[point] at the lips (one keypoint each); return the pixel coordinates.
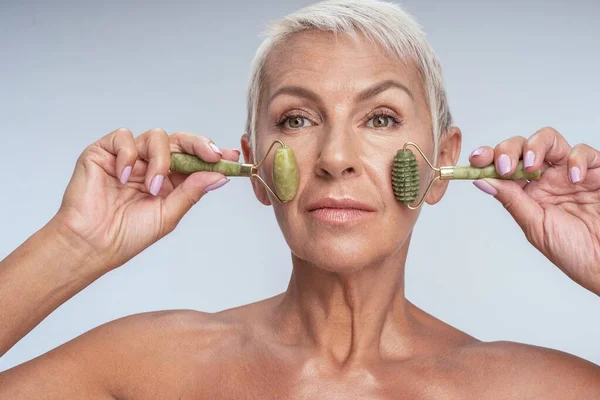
(339, 204)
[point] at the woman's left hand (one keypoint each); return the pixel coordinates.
(559, 213)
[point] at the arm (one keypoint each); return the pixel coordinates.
(114, 208)
(45, 271)
(76, 370)
(121, 199)
(534, 372)
(144, 356)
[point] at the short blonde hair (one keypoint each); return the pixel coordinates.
(382, 23)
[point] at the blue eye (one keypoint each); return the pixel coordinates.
(380, 121)
(296, 122)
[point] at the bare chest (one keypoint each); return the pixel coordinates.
(265, 381)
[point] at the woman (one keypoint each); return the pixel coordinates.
(345, 84)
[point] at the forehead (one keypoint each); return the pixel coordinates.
(335, 63)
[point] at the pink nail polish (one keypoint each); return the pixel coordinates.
(504, 164)
(477, 152)
(485, 187)
(575, 174)
(216, 185)
(529, 159)
(156, 184)
(215, 148)
(125, 175)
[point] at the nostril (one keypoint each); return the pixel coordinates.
(338, 162)
(347, 171)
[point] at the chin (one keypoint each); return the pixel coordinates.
(342, 256)
(344, 246)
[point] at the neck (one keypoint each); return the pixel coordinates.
(349, 316)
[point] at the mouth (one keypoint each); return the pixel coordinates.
(340, 211)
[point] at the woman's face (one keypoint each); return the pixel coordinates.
(345, 109)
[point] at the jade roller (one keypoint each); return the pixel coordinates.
(285, 169)
(405, 175)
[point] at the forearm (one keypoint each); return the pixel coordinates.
(44, 272)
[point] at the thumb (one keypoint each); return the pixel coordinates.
(188, 193)
(525, 211)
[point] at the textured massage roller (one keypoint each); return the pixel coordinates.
(405, 175)
(285, 169)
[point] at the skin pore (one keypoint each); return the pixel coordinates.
(343, 329)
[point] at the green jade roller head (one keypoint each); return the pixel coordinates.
(285, 169)
(405, 175)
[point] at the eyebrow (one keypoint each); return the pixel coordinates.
(362, 96)
(380, 88)
(296, 91)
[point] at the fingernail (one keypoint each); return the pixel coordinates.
(485, 187)
(477, 152)
(125, 174)
(503, 164)
(215, 148)
(529, 159)
(216, 185)
(575, 174)
(156, 184)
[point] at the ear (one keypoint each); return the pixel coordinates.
(259, 190)
(448, 152)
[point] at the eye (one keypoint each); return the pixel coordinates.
(296, 122)
(380, 121)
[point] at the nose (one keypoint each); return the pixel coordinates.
(339, 155)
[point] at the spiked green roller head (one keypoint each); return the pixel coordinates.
(405, 176)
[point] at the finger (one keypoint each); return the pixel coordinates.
(582, 158)
(482, 156)
(138, 174)
(180, 141)
(121, 144)
(546, 145)
(231, 154)
(177, 178)
(197, 145)
(188, 193)
(153, 146)
(522, 183)
(507, 155)
(525, 211)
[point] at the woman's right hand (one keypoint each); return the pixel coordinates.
(122, 197)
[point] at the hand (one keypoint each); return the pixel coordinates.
(122, 197)
(560, 213)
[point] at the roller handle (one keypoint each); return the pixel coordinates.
(469, 172)
(188, 164)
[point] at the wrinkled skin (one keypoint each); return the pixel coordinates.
(343, 329)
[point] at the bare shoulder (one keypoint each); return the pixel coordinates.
(173, 331)
(162, 327)
(537, 371)
(130, 357)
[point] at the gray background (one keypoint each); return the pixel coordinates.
(73, 71)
